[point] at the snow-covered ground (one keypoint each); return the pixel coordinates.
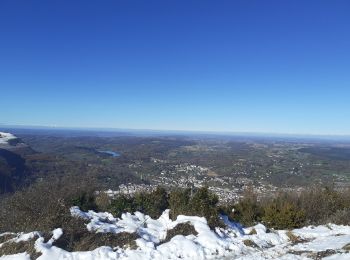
(232, 242)
(5, 137)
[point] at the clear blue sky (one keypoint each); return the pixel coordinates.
(256, 66)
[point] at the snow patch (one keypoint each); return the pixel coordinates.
(6, 137)
(223, 243)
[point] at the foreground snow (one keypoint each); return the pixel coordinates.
(232, 242)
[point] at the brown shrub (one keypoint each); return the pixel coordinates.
(319, 204)
(6, 237)
(340, 217)
(184, 229)
(293, 238)
(102, 201)
(322, 254)
(346, 247)
(91, 241)
(11, 248)
(253, 232)
(76, 237)
(73, 230)
(250, 243)
(43, 206)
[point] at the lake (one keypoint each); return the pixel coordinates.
(111, 153)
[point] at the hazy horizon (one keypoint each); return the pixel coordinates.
(344, 137)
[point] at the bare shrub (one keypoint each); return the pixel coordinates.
(76, 237)
(340, 217)
(11, 248)
(184, 229)
(294, 238)
(43, 206)
(250, 243)
(91, 241)
(319, 204)
(5, 237)
(102, 201)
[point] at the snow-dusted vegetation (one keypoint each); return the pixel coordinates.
(229, 242)
(63, 220)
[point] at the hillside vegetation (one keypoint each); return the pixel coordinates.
(50, 200)
(65, 219)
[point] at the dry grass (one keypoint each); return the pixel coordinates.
(102, 201)
(76, 237)
(346, 247)
(6, 237)
(294, 238)
(212, 174)
(47, 201)
(322, 254)
(91, 241)
(250, 243)
(252, 232)
(11, 248)
(184, 229)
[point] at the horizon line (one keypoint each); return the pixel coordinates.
(222, 132)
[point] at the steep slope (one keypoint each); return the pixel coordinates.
(12, 170)
(12, 163)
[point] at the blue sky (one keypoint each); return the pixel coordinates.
(241, 66)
